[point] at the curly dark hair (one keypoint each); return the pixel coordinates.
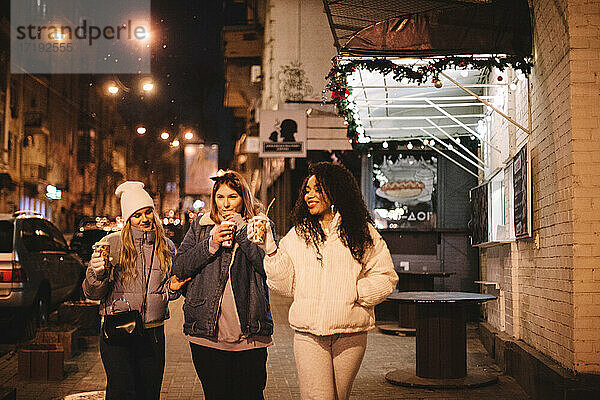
(344, 194)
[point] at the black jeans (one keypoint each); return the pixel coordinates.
(135, 372)
(231, 375)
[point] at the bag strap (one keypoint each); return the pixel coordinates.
(147, 280)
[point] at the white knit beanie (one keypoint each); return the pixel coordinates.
(133, 198)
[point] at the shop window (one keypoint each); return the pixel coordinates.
(501, 206)
(490, 222)
(405, 190)
(498, 229)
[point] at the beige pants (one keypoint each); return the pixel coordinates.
(327, 365)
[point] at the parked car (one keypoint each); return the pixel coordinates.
(83, 240)
(174, 232)
(37, 269)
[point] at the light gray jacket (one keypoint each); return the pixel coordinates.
(110, 289)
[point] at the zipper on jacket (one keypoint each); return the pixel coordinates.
(143, 256)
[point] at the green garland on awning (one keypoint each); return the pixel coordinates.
(338, 81)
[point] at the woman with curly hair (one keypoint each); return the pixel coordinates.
(336, 267)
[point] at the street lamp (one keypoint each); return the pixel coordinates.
(175, 143)
(164, 135)
(189, 135)
(141, 130)
(112, 89)
(147, 85)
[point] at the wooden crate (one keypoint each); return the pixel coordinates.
(63, 335)
(41, 361)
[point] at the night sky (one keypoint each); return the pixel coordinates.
(189, 71)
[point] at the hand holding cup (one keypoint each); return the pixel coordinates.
(224, 233)
(257, 229)
(100, 258)
(260, 232)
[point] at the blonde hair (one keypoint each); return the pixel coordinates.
(129, 253)
(235, 181)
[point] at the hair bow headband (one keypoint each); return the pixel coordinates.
(222, 175)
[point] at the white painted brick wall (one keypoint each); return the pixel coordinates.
(584, 32)
(553, 293)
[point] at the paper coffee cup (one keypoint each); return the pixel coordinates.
(103, 248)
(259, 229)
(229, 242)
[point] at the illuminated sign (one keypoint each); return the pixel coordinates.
(53, 193)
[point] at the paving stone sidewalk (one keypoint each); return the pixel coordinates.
(84, 372)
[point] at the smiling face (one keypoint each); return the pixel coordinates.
(143, 219)
(316, 200)
(228, 200)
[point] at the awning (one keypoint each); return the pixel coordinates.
(424, 28)
(390, 110)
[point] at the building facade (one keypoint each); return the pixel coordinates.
(551, 280)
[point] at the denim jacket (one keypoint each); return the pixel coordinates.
(209, 273)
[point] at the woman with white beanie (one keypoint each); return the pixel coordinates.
(138, 278)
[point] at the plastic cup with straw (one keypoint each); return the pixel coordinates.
(259, 225)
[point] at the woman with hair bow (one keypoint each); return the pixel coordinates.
(227, 314)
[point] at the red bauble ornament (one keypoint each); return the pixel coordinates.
(462, 64)
(438, 84)
(339, 93)
(500, 78)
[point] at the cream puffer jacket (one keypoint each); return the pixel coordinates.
(337, 295)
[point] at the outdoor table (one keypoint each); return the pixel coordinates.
(441, 342)
(410, 281)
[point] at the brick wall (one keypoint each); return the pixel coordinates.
(584, 59)
(552, 292)
(544, 284)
